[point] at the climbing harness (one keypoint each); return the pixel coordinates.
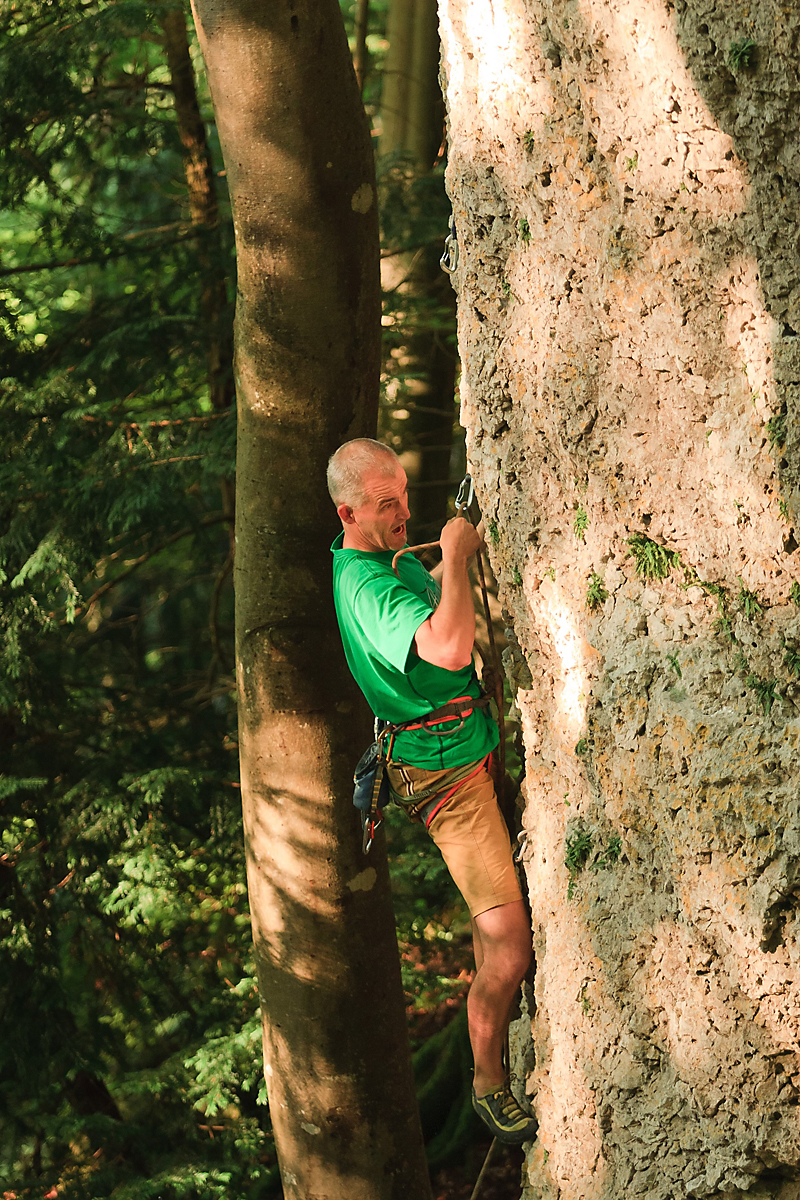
(372, 792)
(423, 806)
(449, 260)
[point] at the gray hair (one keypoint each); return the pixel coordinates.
(348, 465)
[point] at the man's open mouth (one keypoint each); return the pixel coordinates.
(398, 529)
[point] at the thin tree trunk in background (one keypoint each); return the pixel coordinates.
(396, 74)
(203, 207)
(412, 112)
(301, 177)
(360, 55)
(204, 212)
(425, 105)
(412, 109)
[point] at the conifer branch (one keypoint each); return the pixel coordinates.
(212, 519)
(55, 264)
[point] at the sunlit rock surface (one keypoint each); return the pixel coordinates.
(625, 180)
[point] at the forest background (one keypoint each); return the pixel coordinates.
(131, 1055)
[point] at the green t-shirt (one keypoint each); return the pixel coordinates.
(379, 615)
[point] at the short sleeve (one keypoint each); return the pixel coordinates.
(389, 615)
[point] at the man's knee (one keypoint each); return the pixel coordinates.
(506, 941)
(519, 954)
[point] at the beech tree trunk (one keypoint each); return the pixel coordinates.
(301, 177)
(625, 180)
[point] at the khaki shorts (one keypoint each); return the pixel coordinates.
(471, 835)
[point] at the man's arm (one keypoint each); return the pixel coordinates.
(447, 637)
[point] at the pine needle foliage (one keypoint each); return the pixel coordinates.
(131, 1056)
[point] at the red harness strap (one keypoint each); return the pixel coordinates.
(439, 804)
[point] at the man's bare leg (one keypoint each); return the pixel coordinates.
(502, 942)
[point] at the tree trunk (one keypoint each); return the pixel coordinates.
(412, 115)
(203, 209)
(300, 172)
(625, 180)
(360, 50)
(410, 96)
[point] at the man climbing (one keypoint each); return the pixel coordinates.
(408, 642)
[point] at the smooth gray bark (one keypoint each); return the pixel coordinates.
(300, 171)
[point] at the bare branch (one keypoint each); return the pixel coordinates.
(218, 656)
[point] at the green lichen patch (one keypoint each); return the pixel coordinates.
(609, 854)
(577, 851)
(674, 665)
(791, 660)
(766, 691)
(776, 430)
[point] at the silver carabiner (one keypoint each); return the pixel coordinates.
(466, 494)
(449, 260)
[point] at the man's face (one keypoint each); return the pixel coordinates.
(379, 523)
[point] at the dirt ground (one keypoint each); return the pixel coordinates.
(501, 1182)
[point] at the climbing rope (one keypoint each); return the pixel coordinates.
(464, 499)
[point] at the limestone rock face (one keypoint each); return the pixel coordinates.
(625, 181)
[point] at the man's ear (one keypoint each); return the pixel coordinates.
(346, 514)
